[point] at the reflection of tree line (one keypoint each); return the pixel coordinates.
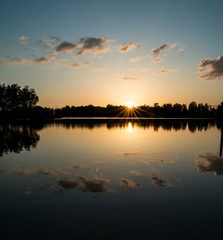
(165, 124)
(19, 136)
(15, 138)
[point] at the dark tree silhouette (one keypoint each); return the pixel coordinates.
(13, 97)
(16, 138)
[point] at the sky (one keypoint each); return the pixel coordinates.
(113, 51)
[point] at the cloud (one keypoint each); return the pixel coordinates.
(88, 64)
(212, 163)
(69, 183)
(19, 61)
(49, 45)
(143, 162)
(93, 45)
(46, 171)
(126, 154)
(75, 65)
(137, 58)
(95, 184)
(3, 62)
(164, 71)
(180, 50)
(130, 79)
(66, 47)
(128, 47)
(128, 183)
(23, 171)
(42, 60)
(23, 38)
(19, 171)
(14, 61)
(136, 173)
(157, 180)
(162, 161)
(214, 68)
(22, 43)
(54, 39)
(158, 50)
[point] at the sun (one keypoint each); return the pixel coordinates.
(129, 104)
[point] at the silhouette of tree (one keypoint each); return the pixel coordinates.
(16, 138)
(13, 97)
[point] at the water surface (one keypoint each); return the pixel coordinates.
(111, 179)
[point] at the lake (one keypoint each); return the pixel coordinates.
(111, 179)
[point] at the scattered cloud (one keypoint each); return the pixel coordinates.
(95, 184)
(54, 39)
(158, 50)
(129, 46)
(137, 58)
(143, 162)
(128, 183)
(22, 43)
(69, 183)
(60, 60)
(23, 171)
(212, 163)
(14, 61)
(164, 71)
(93, 45)
(19, 61)
(46, 171)
(76, 65)
(23, 38)
(42, 60)
(214, 68)
(157, 180)
(136, 173)
(126, 154)
(3, 62)
(66, 47)
(180, 50)
(130, 79)
(49, 45)
(162, 161)
(88, 64)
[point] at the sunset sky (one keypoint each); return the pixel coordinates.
(114, 51)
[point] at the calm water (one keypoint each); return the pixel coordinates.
(111, 179)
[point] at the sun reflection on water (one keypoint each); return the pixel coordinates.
(130, 128)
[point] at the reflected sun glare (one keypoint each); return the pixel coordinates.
(130, 127)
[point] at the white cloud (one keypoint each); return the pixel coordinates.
(137, 58)
(23, 38)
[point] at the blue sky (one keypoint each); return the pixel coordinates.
(108, 51)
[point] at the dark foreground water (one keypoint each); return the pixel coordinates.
(111, 179)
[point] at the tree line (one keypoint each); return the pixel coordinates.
(193, 110)
(17, 102)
